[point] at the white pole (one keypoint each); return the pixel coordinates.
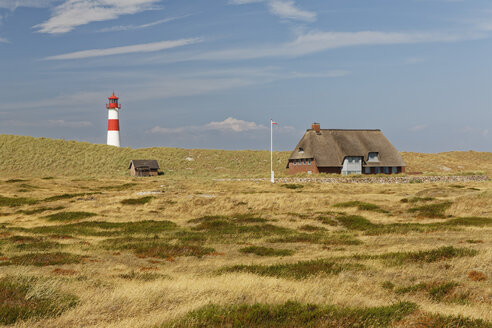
(272, 178)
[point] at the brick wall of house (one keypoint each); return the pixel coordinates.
(303, 168)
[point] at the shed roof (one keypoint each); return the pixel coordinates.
(329, 147)
(150, 163)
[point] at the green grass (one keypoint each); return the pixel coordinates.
(157, 248)
(40, 210)
(16, 201)
(311, 228)
(229, 228)
(15, 180)
(27, 243)
(431, 210)
(470, 221)
(438, 292)
(318, 238)
(17, 302)
(327, 220)
(429, 256)
(137, 201)
(292, 186)
(69, 216)
(67, 196)
(299, 270)
(417, 199)
(124, 186)
(98, 228)
(440, 321)
(362, 206)
(266, 251)
(44, 259)
(293, 315)
(359, 223)
(143, 276)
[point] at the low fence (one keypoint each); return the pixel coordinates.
(379, 180)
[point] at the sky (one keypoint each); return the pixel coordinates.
(211, 74)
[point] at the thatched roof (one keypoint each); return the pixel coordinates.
(329, 147)
(147, 163)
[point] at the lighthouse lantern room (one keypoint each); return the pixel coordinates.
(113, 121)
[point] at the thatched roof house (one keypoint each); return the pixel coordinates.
(345, 152)
(146, 167)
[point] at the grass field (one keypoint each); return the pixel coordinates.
(185, 250)
(41, 157)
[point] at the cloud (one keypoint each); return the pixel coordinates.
(171, 86)
(139, 27)
(318, 41)
(74, 13)
(230, 124)
(235, 125)
(145, 47)
(3, 40)
(285, 9)
(417, 128)
(14, 4)
(288, 10)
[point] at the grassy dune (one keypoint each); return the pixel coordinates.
(28, 156)
(83, 244)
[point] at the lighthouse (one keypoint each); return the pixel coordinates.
(113, 121)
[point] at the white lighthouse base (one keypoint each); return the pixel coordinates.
(114, 138)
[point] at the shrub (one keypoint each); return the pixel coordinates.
(266, 251)
(417, 199)
(292, 315)
(299, 270)
(69, 216)
(470, 221)
(17, 302)
(318, 238)
(434, 255)
(144, 247)
(17, 201)
(436, 320)
(143, 276)
(431, 210)
(32, 243)
(68, 196)
(292, 186)
(44, 259)
(99, 228)
(40, 210)
(362, 206)
(477, 276)
(388, 285)
(15, 180)
(437, 293)
(311, 228)
(137, 201)
(118, 188)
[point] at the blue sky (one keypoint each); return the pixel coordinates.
(210, 74)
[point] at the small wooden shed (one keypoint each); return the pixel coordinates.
(143, 167)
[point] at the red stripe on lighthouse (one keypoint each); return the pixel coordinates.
(113, 125)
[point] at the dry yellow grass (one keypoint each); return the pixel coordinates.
(116, 288)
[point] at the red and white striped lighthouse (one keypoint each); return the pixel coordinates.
(113, 121)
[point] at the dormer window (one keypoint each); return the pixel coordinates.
(301, 150)
(373, 157)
